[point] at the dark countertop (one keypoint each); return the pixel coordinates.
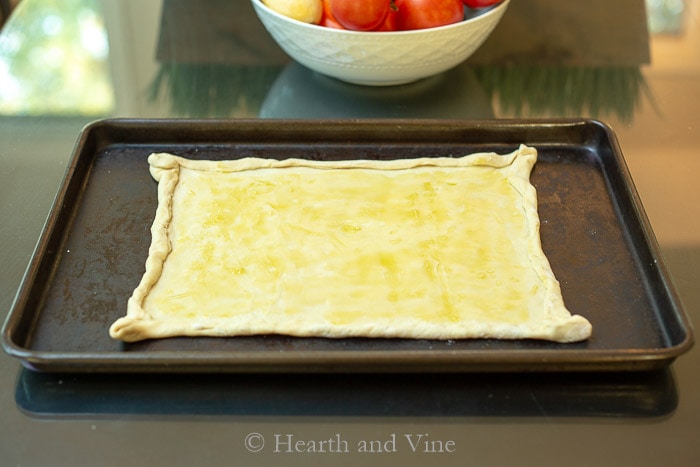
(636, 68)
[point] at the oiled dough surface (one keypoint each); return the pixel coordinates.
(441, 248)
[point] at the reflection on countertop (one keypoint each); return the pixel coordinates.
(301, 93)
(625, 395)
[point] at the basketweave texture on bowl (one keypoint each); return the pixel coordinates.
(379, 58)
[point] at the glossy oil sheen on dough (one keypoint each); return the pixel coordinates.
(441, 248)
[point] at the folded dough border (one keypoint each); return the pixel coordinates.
(446, 318)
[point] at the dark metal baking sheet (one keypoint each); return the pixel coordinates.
(91, 254)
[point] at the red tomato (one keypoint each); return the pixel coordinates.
(327, 18)
(480, 3)
(360, 15)
(422, 14)
(389, 23)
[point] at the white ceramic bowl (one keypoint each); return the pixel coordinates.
(379, 58)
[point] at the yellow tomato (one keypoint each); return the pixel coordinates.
(308, 11)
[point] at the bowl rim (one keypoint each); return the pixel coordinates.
(488, 11)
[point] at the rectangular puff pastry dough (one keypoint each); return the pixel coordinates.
(435, 248)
